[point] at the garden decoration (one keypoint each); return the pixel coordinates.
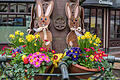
(87, 57)
(75, 25)
(42, 22)
(32, 56)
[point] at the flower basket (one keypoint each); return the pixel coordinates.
(75, 68)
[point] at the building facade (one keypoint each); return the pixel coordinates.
(102, 17)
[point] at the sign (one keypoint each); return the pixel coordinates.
(107, 2)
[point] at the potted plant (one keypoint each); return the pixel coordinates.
(87, 57)
(28, 55)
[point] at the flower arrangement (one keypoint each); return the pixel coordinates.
(88, 54)
(28, 55)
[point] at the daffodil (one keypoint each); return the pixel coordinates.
(30, 37)
(17, 32)
(21, 40)
(78, 37)
(87, 33)
(12, 36)
(90, 41)
(35, 44)
(82, 37)
(21, 33)
(98, 40)
(37, 36)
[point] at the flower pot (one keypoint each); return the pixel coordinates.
(75, 68)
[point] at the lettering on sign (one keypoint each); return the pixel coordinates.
(108, 2)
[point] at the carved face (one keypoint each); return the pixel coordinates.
(43, 21)
(74, 22)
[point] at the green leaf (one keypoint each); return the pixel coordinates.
(74, 62)
(32, 78)
(65, 58)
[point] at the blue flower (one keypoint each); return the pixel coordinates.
(74, 52)
(75, 57)
(16, 50)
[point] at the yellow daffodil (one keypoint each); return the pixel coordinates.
(90, 41)
(21, 33)
(37, 36)
(94, 36)
(17, 32)
(98, 40)
(30, 37)
(35, 44)
(21, 40)
(78, 37)
(82, 37)
(95, 44)
(12, 36)
(87, 33)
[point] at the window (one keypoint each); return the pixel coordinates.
(14, 14)
(13, 7)
(93, 21)
(114, 24)
(22, 8)
(3, 7)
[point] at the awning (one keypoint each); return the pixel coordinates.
(103, 3)
(14, 1)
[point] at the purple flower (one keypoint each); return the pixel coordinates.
(31, 60)
(16, 50)
(36, 63)
(75, 57)
(47, 59)
(40, 58)
(43, 56)
(30, 56)
(38, 53)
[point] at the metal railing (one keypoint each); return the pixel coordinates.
(62, 66)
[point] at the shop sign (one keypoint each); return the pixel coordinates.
(107, 2)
